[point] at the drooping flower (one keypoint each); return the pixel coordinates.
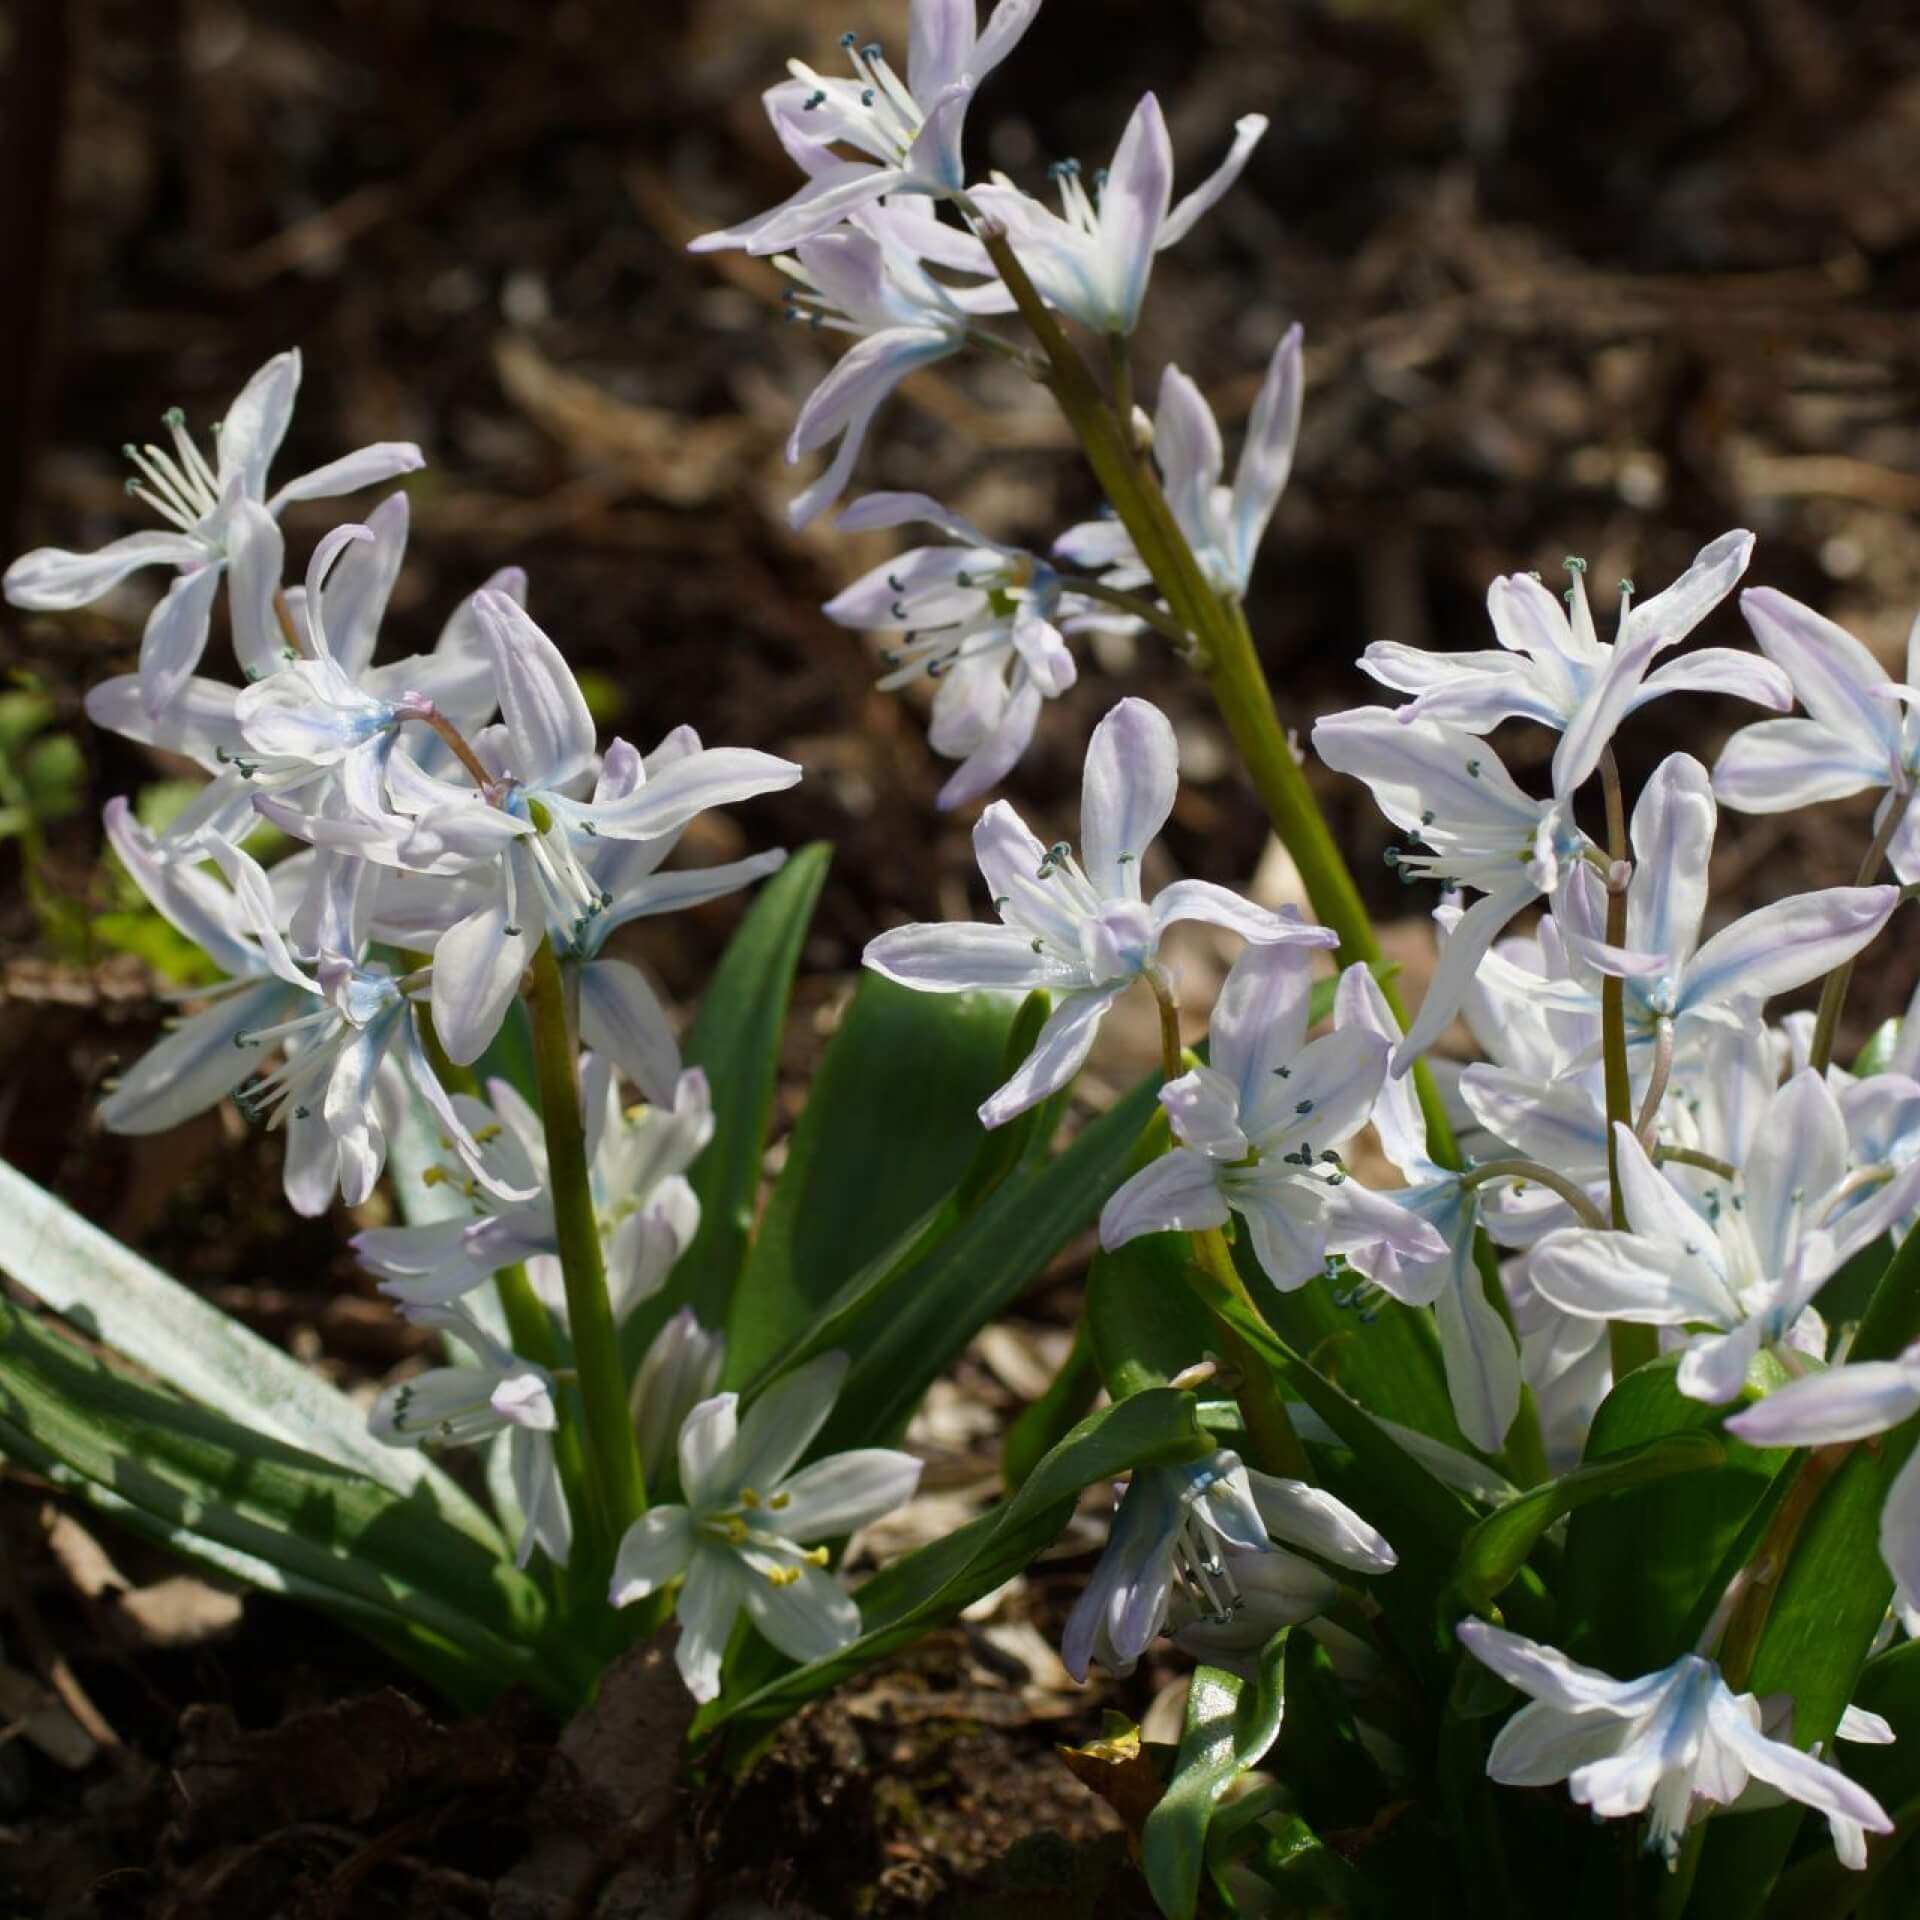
(1078, 928)
(1260, 1126)
(987, 622)
(909, 131)
(1861, 731)
(1661, 1745)
(221, 517)
(462, 1406)
(1557, 670)
(1223, 525)
(1190, 1528)
(636, 1165)
(1093, 258)
(742, 1538)
(1449, 792)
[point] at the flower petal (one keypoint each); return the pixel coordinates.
(1208, 194)
(964, 956)
(51, 580)
(175, 637)
(1058, 1054)
(653, 1553)
(808, 1618)
(621, 1016)
(1837, 679)
(1266, 455)
(1775, 765)
(845, 1492)
(366, 467)
(781, 1423)
(1132, 772)
(1785, 944)
(545, 712)
(1176, 1193)
(1853, 1402)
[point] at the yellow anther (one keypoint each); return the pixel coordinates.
(778, 1501)
(491, 1131)
(814, 1557)
(433, 1177)
(736, 1529)
(782, 1576)
(748, 1498)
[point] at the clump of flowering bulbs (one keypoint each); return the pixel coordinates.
(1582, 1371)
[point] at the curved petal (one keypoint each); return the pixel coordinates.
(672, 795)
(780, 1425)
(1723, 670)
(621, 1016)
(715, 1590)
(477, 968)
(1673, 827)
(1476, 1347)
(1187, 450)
(255, 423)
(1221, 907)
(1132, 773)
(1178, 1192)
(1266, 455)
(1798, 1775)
(1058, 1054)
(1837, 679)
(1460, 958)
(175, 637)
(1776, 765)
(1208, 194)
(962, 956)
(366, 467)
(200, 1062)
(1312, 1518)
(52, 580)
(1545, 1674)
(545, 713)
(1853, 1402)
(845, 1492)
(995, 757)
(1785, 944)
(654, 1552)
(1132, 212)
(808, 1618)
(1623, 1276)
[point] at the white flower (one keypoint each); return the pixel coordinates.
(636, 1164)
(865, 282)
(1862, 729)
(1260, 1126)
(680, 1368)
(459, 1406)
(1207, 1532)
(910, 130)
(1081, 931)
(1555, 668)
(742, 1538)
(527, 834)
(221, 516)
(1448, 791)
(1668, 974)
(1744, 1258)
(1093, 258)
(987, 622)
(1482, 1366)
(1657, 1745)
(1853, 1402)
(1224, 525)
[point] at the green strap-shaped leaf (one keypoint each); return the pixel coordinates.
(735, 1039)
(1671, 1536)
(888, 1130)
(1319, 1753)
(932, 1584)
(1043, 1425)
(268, 1512)
(112, 1295)
(1230, 1725)
(1496, 1549)
(908, 1331)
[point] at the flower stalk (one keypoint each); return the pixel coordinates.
(1833, 994)
(613, 1454)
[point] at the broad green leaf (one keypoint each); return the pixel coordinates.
(735, 1038)
(272, 1513)
(1496, 1549)
(1319, 1754)
(1639, 1562)
(909, 1330)
(1383, 1354)
(932, 1584)
(888, 1130)
(1229, 1727)
(1146, 1322)
(117, 1298)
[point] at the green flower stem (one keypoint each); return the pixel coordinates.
(1221, 648)
(613, 1453)
(1833, 993)
(532, 1334)
(1629, 1346)
(1275, 1446)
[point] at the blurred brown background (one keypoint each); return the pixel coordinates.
(1576, 278)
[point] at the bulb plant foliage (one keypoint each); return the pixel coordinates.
(1519, 1457)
